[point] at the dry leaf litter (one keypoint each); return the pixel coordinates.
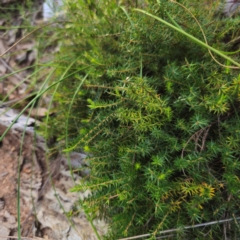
(45, 195)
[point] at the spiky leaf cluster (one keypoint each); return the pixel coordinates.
(158, 116)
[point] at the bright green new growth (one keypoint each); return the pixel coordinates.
(158, 116)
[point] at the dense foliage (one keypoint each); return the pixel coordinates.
(157, 114)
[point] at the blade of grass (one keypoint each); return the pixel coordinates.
(189, 36)
(47, 119)
(31, 104)
(27, 35)
(67, 123)
(40, 93)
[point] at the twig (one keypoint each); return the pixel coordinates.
(27, 238)
(20, 40)
(196, 137)
(9, 103)
(10, 69)
(185, 228)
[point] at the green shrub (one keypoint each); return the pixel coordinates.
(156, 113)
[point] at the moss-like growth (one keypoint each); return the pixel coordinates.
(159, 116)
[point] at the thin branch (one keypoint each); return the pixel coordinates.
(20, 40)
(23, 238)
(185, 228)
(17, 100)
(10, 69)
(195, 137)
